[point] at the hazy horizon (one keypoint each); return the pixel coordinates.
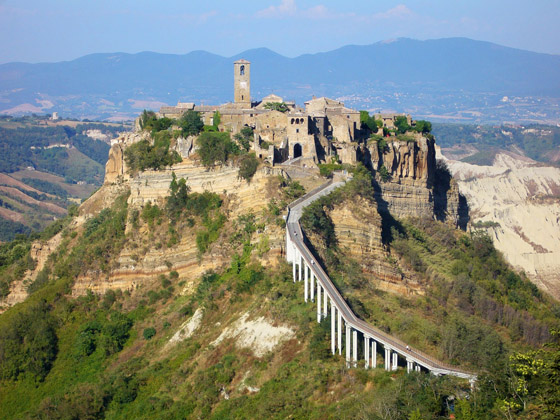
(35, 31)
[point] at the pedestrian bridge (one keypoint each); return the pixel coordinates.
(318, 288)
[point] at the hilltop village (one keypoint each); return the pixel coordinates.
(284, 131)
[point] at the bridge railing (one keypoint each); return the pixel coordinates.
(350, 317)
(309, 194)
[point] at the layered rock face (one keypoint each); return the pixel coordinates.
(358, 232)
(411, 189)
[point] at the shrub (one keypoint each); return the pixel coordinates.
(215, 148)
(384, 173)
(191, 123)
(145, 155)
(149, 333)
(248, 165)
(276, 106)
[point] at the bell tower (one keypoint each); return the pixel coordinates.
(242, 83)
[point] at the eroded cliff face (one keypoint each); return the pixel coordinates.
(358, 228)
(412, 187)
(517, 201)
(137, 265)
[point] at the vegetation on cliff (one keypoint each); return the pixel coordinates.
(476, 310)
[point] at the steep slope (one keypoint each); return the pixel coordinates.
(194, 312)
(517, 201)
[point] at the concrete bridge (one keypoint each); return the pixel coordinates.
(318, 288)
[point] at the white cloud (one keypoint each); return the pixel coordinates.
(398, 12)
(286, 8)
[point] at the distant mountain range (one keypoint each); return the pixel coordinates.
(447, 79)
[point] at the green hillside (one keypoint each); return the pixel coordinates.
(110, 356)
(47, 166)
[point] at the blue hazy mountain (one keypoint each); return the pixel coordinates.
(422, 77)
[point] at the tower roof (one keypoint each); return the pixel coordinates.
(242, 61)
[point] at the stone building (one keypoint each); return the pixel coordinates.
(323, 128)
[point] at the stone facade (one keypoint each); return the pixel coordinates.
(311, 134)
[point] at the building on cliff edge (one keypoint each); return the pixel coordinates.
(323, 128)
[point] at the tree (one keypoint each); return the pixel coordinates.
(245, 137)
(402, 124)
(276, 106)
(217, 118)
(368, 122)
(248, 165)
(191, 123)
(214, 148)
(423, 126)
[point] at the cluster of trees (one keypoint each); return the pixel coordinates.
(370, 123)
(147, 155)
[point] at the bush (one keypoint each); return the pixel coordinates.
(215, 148)
(276, 106)
(384, 173)
(248, 165)
(145, 155)
(191, 124)
(149, 333)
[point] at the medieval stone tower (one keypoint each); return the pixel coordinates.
(242, 83)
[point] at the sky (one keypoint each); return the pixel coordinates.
(57, 30)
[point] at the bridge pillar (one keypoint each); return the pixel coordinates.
(333, 333)
(366, 351)
(339, 332)
(387, 359)
(418, 368)
(294, 268)
(347, 345)
(312, 286)
(306, 283)
(355, 348)
(373, 353)
(300, 259)
(395, 361)
(409, 365)
(318, 302)
(325, 296)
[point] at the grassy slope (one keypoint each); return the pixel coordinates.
(144, 379)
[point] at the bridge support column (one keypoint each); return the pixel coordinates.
(312, 285)
(418, 368)
(333, 333)
(318, 302)
(339, 332)
(387, 359)
(300, 259)
(355, 348)
(409, 365)
(366, 351)
(325, 296)
(347, 345)
(306, 284)
(373, 353)
(395, 361)
(294, 266)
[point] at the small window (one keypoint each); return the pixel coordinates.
(297, 130)
(242, 71)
